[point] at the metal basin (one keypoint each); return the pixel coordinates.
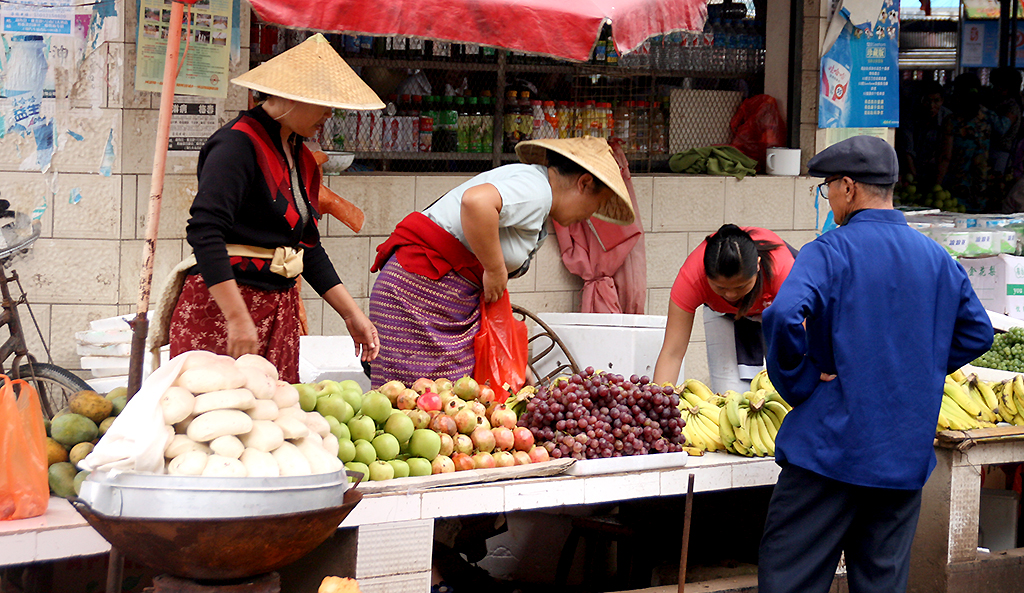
(220, 549)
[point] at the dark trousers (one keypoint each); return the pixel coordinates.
(812, 519)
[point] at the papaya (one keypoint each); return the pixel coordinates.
(71, 429)
(79, 452)
(62, 479)
(55, 452)
(105, 425)
(91, 405)
(79, 478)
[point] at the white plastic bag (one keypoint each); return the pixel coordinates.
(136, 439)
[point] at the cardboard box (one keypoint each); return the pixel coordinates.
(999, 282)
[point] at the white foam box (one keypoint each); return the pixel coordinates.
(997, 519)
(618, 343)
(330, 357)
(999, 282)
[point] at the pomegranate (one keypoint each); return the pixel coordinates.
(483, 460)
(462, 462)
(486, 395)
(422, 385)
(503, 438)
(406, 400)
(447, 444)
(503, 416)
(428, 401)
(522, 457)
(467, 388)
(392, 389)
(443, 423)
(483, 439)
(466, 421)
(442, 464)
(503, 459)
(538, 454)
(462, 443)
(523, 438)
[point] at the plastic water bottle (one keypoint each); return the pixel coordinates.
(833, 102)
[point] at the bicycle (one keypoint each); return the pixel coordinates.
(54, 384)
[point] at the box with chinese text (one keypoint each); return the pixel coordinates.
(999, 282)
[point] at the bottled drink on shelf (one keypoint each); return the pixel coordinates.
(462, 127)
(708, 47)
(611, 54)
(525, 117)
(550, 124)
(445, 139)
(487, 125)
(537, 115)
(511, 121)
(427, 118)
(659, 132)
(475, 122)
(562, 117)
(389, 126)
(642, 127)
(623, 124)
(488, 54)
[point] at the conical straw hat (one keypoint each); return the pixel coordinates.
(311, 72)
(594, 155)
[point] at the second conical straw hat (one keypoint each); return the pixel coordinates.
(311, 72)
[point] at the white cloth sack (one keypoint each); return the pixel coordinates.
(136, 440)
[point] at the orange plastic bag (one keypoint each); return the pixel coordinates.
(24, 484)
(501, 348)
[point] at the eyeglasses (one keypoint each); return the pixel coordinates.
(823, 186)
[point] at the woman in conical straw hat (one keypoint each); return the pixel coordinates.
(437, 264)
(253, 226)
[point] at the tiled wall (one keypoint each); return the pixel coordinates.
(86, 265)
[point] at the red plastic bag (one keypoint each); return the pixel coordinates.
(756, 126)
(24, 484)
(501, 348)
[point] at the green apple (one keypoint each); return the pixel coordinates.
(326, 387)
(356, 466)
(386, 446)
(365, 453)
(400, 426)
(362, 427)
(425, 443)
(346, 450)
(338, 429)
(377, 406)
(419, 466)
(307, 396)
(401, 468)
(334, 405)
(349, 384)
(354, 396)
(381, 470)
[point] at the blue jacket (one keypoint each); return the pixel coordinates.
(891, 314)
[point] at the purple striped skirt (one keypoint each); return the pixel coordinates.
(426, 327)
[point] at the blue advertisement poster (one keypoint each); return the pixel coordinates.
(859, 86)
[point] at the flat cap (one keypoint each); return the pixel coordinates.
(862, 158)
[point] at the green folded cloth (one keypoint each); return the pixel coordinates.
(713, 160)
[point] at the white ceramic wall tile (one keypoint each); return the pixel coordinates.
(687, 202)
(87, 207)
(135, 153)
(334, 325)
(598, 489)
(464, 501)
(41, 313)
(65, 321)
(86, 77)
(755, 474)
(71, 271)
(403, 583)
(27, 191)
(666, 253)
(349, 258)
(129, 205)
(539, 302)
(384, 200)
(798, 238)
(168, 254)
(535, 494)
(94, 125)
(766, 202)
(431, 187)
(803, 203)
(551, 273)
(314, 312)
(394, 548)
(643, 187)
(175, 200)
(809, 97)
(386, 509)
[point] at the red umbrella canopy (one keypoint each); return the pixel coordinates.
(561, 28)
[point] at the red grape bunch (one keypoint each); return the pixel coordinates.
(594, 415)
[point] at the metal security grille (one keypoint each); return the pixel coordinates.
(462, 108)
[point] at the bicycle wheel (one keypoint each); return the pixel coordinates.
(54, 384)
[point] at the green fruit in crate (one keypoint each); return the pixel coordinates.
(401, 468)
(116, 393)
(91, 405)
(362, 428)
(353, 395)
(307, 396)
(79, 478)
(71, 429)
(105, 425)
(418, 466)
(355, 466)
(400, 426)
(425, 443)
(55, 452)
(365, 453)
(119, 403)
(338, 429)
(386, 446)
(381, 470)
(346, 450)
(376, 405)
(334, 405)
(79, 452)
(62, 479)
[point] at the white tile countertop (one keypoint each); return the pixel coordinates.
(63, 533)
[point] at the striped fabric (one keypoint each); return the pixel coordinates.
(426, 327)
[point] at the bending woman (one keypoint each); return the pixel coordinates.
(735, 273)
(436, 265)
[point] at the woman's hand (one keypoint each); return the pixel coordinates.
(495, 282)
(363, 333)
(242, 338)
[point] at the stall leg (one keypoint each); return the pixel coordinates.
(686, 534)
(115, 571)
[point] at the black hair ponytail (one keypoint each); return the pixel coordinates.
(731, 251)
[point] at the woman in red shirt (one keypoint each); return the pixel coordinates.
(735, 273)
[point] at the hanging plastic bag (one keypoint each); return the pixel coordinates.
(24, 484)
(756, 126)
(501, 348)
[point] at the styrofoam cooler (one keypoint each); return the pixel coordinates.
(618, 343)
(330, 357)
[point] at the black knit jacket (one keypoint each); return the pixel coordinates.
(245, 198)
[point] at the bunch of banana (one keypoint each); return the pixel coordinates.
(968, 405)
(701, 416)
(761, 381)
(749, 422)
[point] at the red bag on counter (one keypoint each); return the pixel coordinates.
(757, 125)
(24, 483)
(500, 348)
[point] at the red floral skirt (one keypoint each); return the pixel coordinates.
(198, 324)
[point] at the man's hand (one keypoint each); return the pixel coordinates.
(825, 377)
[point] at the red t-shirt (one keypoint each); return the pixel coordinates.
(691, 288)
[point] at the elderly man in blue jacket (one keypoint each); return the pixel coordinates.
(860, 338)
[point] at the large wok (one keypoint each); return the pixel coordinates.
(220, 549)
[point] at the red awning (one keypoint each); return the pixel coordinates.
(565, 29)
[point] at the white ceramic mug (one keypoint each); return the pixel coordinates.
(783, 161)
